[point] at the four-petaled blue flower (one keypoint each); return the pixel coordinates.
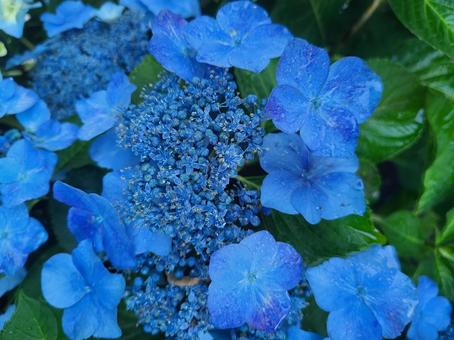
(88, 293)
(300, 181)
(20, 235)
(250, 280)
(69, 15)
(14, 98)
(170, 47)
(433, 312)
(25, 173)
(99, 113)
(12, 16)
(324, 103)
(94, 218)
(241, 36)
(366, 295)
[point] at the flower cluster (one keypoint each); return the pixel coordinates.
(177, 232)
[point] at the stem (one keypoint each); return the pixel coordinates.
(365, 17)
(27, 43)
(247, 182)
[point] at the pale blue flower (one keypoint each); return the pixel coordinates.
(13, 14)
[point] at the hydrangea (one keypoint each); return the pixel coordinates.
(53, 135)
(100, 111)
(20, 235)
(242, 36)
(315, 186)
(86, 59)
(5, 317)
(93, 218)
(89, 294)
(325, 103)
(25, 173)
(433, 313)
(170, 47)
(250, 282)
(366, 295)
(14, 98)
(12, 15)
(184, 8)
(69, 15)
(36, 115)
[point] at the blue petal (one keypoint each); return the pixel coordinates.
(81, 226)
(170, 48)
(288, 108)
(263, 248)
(5, 317)
(14, 98)
(330, 132)
(61, 283)
(259, 46)
(10, 282)
(32, 118)
(353, 86)
(343, 195)
(375, 259)
(284, 152)
(69, 15)
(331, 283)
(228, 264)
(295, 333)
(71, 196)
(427, 289)
(113, 187)
(109, 11)
(437, 312)
(353, 322)
(287, 267)
(54, 136)
(107, 154)
(303, 66)
(107, 325)
(184, 8)
(119, 91)
(146, 241)
(277, 190)
(308, 201)
(238, 18)
(81, 320)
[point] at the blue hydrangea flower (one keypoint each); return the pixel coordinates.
(15, 98)
(9, 282)
(107, 48)
(170, 47)
(302, 182)
(94, 218)
(20, 235)
(296, 333)
(89, 294)
(366, 295)
(106, 152)
(53, 135)
(25, 173)
(433, 313)
(35, 116)
(250, 280)
(325, 103)
(184, 8)
(69, 15)
(12, 16)
(109, 11)
(5, 317)
(100, 112)
(242, 36)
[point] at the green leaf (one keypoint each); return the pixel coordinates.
(146, 73)
(368, 171)
(3, 50)
(434, 69)
(58, 213)
(447, 234)
(321, 22)
(405, 231)
(33, 320)
(76, 156)
(398, 121)
(251, 182)
(444, 273)
(439, 178)
(430, 20)
(316, 243)
(259, 84)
